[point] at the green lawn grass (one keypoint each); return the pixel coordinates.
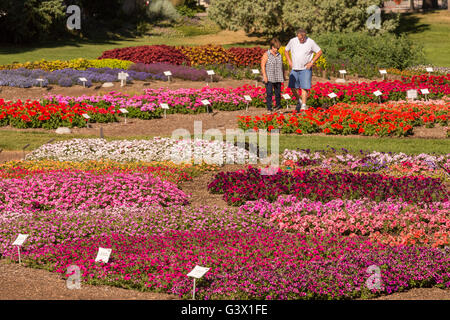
(432, 30)
(11, 140)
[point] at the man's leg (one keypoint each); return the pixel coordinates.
(269, 95)
(304, 96)
(293, 85)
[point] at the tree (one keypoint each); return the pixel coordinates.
(283, 17)
(430, 4)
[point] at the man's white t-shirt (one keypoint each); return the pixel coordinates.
(301, 53)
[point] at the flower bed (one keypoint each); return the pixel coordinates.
(323, 185)
(400, 222)
(157, 149)
(147, 54)
(81, 190)
(271, 265)
(367, 119)
(178, 71)
(25, 78)
(33, 114)
(165, 171)
(77, 64)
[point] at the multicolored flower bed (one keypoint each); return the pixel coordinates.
(245, 265)
(323, 185)
(391, 119)
(322, 241)
(164, 170)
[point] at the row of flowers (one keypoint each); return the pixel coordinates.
(158, 149)
(81, 190)
(397, 119)
(390, 222)
(26, 78)
(166, 171)
(148, 253)
(323, 185)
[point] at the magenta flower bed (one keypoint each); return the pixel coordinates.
(244, 185)
(250, 265)
(80, 190)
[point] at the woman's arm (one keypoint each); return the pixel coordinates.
(264, 59)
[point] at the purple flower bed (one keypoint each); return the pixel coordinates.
(178, 71)
(25, 78)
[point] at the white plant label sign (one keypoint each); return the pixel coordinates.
(83, 79)
(164, 106)
(332, 95)
(429, 69)
(378, 93)
(20, 239)
(342, 71)
(286, 96)
(248, 98)
(255, 71)
(210, 72)
(122, 75)
(425, 91)
(123, 110)
(205, 102)
(103, 255)
(411, 94)
(383, 71)
(198, 272)
(167, 73)
(86, 116)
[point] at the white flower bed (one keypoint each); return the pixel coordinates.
(158, 149)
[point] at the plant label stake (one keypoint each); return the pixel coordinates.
(84, 80)
(411, 94)
(248, 99)
(378, 94)
(425, 92)
(287, 97)
(165, 107)
(86, 116)
(333, 96)
(19, 242)
(343, 72)
(40, 81)
(206, 103)
(103, 255)
(255, 72)
(23, 150)
(168, 74)
(122, 76)
(197, 273)
(210, 73)
(383, 73)
(429, 70)
(124, 111)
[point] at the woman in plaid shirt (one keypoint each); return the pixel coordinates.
(273, 73)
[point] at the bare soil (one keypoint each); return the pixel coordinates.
(18, 282)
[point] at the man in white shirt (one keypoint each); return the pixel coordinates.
(302, 49)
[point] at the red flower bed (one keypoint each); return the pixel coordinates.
(247, 56)
(147, 54)
(32, 114)
(372, 119)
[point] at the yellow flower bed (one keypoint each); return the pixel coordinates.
(77, 64)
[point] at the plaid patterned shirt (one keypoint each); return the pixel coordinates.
(274, 67)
